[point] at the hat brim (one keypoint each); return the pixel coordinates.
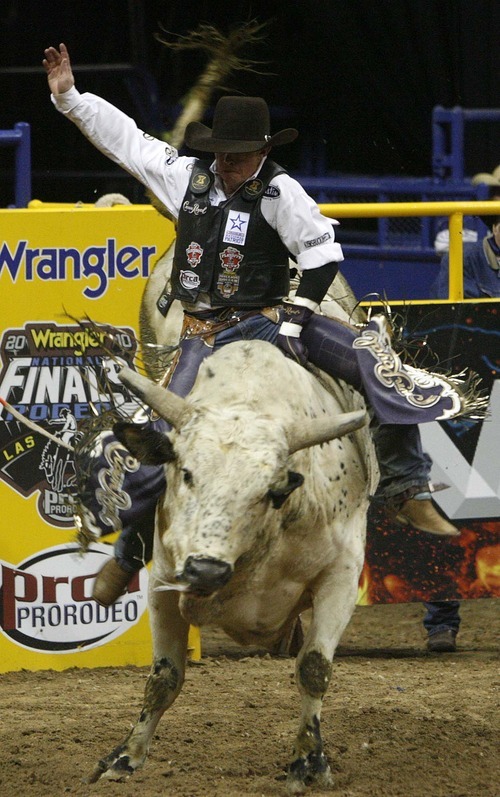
(487, 178)
(199, 136)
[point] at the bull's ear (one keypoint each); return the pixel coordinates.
(279, 496)
(147, 445)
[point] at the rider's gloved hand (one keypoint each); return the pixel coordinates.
(293, 319)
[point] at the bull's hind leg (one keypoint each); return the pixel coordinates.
(333, 605)
(170, 635)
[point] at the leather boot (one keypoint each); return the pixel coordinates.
(442, 641)
(111, 583)
(422, 515)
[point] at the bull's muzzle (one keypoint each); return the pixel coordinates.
(205, 575)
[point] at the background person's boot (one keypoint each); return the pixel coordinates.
(442, 641)
(111, 582)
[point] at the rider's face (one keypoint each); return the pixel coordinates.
(235, 167)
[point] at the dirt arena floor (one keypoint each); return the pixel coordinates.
(397, 721)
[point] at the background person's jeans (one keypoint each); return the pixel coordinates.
(441, 616)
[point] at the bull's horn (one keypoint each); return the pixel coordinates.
(321, 430)
(168, 405)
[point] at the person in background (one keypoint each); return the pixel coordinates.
(479, 281)
(481, 264)
(474, 228)
(442, 622)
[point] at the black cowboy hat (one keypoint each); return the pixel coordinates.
(241, 124)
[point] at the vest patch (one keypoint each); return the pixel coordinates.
(200, 183)
(236, 227)
(272, 192)
(228, 282)
(194, 208)
(194, 253)
(252, 189)
(189, 280)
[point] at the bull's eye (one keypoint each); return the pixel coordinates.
(187, 476)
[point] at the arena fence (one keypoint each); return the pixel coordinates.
(402, 272)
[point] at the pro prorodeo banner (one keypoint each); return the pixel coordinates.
(60, 264)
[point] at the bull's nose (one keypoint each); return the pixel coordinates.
(206, 574)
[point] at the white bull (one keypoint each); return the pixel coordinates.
(264, 516)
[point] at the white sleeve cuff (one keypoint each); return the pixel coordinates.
(67, 101)
(303, 301)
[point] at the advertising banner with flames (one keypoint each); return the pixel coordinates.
(59, 265)
(406, 565)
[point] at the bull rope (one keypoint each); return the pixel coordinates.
(34, 426)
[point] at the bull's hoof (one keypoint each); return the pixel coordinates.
(117, 766)
(305, 772)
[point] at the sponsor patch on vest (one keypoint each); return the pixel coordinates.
(317, 241)
(200, 183)
(189, 280)
(194, 253)
(236, 227)
(194, 208)
(228, 282)
(252, 189)
(272, 192)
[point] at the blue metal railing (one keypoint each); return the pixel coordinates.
(20, 138)
(448, 138)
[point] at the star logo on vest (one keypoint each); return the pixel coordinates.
(236, 227)
(238, 223)
(194, 253)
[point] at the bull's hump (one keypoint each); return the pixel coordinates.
(239, 368)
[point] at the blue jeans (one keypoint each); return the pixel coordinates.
(402, 462)
(441, 616)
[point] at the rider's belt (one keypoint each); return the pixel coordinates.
(208, 323)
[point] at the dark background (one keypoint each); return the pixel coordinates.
(358, 78)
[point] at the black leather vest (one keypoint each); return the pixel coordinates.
(229, 251)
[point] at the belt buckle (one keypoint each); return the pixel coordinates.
(227, 314)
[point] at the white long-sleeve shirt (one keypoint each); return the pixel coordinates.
(289, 210)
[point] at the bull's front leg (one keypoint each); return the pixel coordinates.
(333, 605)
(170, 638)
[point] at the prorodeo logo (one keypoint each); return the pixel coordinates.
(45, 602)
(52, 375)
